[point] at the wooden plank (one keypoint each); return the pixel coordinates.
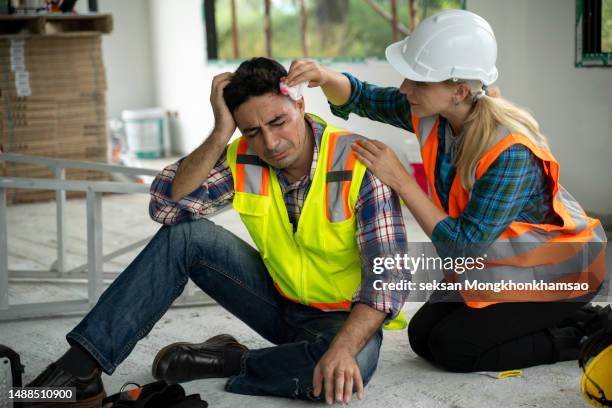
(54, 24)
(12, 24)
(55, 35)
(394, 30)
(413, 14)
(304, 18)
(234, 30)
(384, 14)
(268, 27)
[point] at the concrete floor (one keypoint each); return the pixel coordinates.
(402, 378)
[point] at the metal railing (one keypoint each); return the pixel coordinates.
(92, 271)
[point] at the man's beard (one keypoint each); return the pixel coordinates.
(282, 163)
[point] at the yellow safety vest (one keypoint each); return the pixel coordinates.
(319, 264)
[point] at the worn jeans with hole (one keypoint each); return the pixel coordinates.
(231, 272)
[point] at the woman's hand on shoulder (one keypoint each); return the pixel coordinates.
(382, 161)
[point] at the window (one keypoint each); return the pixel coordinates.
(593, 33)
(288, 29)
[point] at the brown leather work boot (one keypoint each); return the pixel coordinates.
(182, 362)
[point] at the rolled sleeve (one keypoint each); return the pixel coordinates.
(380, 234)
(213, 194)
(385, 300)
(381, 104)
(343, 111)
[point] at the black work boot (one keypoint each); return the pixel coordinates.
(89, 389)
(588, 319)
(566, 342)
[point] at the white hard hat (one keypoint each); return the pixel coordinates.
(449, 44)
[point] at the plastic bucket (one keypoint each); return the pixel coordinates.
(146, 132)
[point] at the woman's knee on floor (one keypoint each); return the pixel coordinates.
(452, 350)
(418, 336)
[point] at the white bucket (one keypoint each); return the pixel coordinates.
(146, 132)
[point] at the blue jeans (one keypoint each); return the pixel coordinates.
(231, 272)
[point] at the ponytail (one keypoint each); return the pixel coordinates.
(480, 129)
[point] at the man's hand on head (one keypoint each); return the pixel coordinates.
(194, 169)
(224, 121)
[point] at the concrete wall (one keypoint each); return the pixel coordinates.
(573, 105)
(536, 40)
(127, 55)
(182, 79)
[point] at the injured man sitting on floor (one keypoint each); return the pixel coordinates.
(318, 218)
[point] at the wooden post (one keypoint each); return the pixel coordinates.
(235, 31)
(304, 15)
(412, 14)
(394, 20)
(384, 14)
(268, 29)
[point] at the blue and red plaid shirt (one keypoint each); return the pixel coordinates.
(380, 226)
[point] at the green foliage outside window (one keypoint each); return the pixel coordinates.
(606, 29)
(340, 29)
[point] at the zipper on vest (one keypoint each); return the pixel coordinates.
(301, 289)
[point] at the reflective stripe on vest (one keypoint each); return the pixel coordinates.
(252, 173)
(340, 163)
(572, 252)
(318, 264)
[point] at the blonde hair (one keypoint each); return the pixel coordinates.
(480, 128)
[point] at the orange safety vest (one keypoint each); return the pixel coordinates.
(573, 252)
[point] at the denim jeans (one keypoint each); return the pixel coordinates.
(231, 272)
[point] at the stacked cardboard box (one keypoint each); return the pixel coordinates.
(53, 104)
